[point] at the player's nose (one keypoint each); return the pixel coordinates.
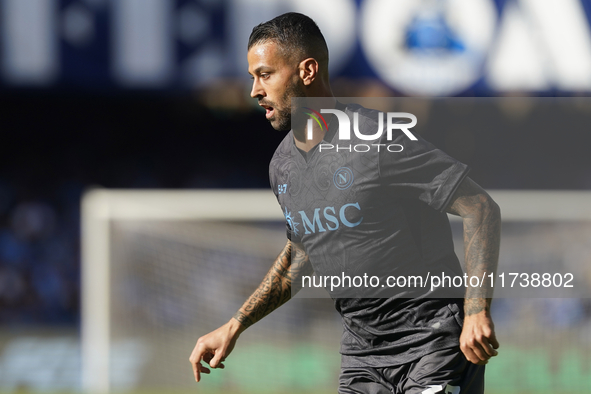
(257, 90)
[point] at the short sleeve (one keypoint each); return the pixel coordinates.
(420, 171)
(275, 187)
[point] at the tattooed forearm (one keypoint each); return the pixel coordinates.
(482, 234)
(276, 287)
(473, 306)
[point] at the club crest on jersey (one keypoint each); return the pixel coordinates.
(343, 178)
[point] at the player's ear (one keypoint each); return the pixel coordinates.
(308, 70)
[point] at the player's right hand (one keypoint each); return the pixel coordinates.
(478, 341)
(214, 347)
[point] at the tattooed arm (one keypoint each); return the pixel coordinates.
(275, 289)
(482, 227)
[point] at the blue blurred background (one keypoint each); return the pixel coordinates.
(133, 93)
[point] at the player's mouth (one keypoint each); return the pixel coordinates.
(269, 112)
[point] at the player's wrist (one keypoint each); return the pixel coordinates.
(477, 306)
(235, 327)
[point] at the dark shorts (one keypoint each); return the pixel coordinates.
(445, 371)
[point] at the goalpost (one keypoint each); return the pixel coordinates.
(160, 268)
(99, 209)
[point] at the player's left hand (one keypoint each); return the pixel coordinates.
(478, 341)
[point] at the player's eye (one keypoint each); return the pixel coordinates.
(264, 76)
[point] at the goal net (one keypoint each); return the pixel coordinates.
(162, 268)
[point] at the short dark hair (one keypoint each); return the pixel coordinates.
(295, 33)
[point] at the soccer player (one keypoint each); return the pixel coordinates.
(387, 210)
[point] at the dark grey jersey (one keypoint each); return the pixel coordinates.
(376, 212)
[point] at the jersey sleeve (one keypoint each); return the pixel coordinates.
(275, 187)
(420, 171)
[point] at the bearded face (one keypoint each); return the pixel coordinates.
(275, 82)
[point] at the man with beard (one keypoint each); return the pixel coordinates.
(419, 344)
